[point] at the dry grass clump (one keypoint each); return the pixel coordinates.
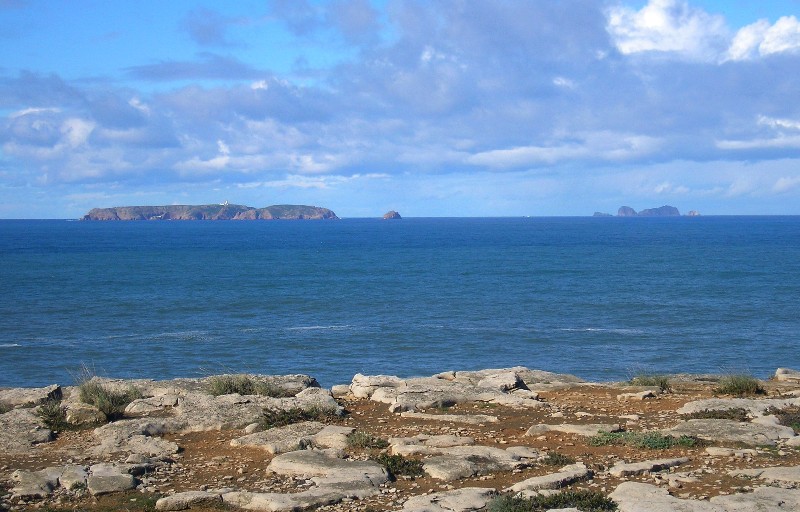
(363, 440)
(109, 402)
(397, 465)
(273, 418)
(648, 380)
(736, 414)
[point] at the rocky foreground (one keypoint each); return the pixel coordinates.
(457, 441)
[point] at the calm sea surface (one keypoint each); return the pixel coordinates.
(603, 298)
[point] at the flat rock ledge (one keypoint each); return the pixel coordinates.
(309, 466)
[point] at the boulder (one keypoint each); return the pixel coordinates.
(108, 478)
(81, 414)
(787, 375)
(282, 439)
(780, 474)
(640, 497)
(565, 476)
(30, 397)
(755, 407)
(20, 429)
(34, 484)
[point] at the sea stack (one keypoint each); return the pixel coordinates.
(391, 215)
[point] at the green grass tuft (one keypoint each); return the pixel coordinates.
(53, 415)
(397, 465)
(736, 414)
(585, 501)
(740, 385)
(660, 381)
(360, 439)
(244, 385)
(4, 407)
(557, 459)
(111, 403)
(273, 418)
(647, 440)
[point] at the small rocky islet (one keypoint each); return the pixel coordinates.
(455, 441)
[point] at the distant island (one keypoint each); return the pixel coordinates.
(391, 215)
(223, 211)
(663, 211)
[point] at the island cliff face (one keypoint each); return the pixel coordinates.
(663, 211)
(211, 212)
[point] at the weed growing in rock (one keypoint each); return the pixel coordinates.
(586, 501)
(557, 459)
(244, 385)
(272, 418)
(111, 403)
(4, 407)
(648, 440)
(736, 414)
(660, 381)
(363, 440)
(397, 465)
(53, 415)
(740, 385)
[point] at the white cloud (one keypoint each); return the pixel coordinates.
(761, 39)
(779, 123)
(786, 183)
(670, 26)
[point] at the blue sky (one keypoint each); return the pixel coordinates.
(447, 108)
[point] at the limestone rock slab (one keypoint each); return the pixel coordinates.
(30, 397)
(623, 469)
(466, 499)
(790, 474)
(185, 500)
(20, 429)
(327, 464)
(565, 476)
(587, 430)
(732, 431)
(282, 439)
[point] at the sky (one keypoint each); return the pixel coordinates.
(444, 108)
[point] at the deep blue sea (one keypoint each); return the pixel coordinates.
(602, 298)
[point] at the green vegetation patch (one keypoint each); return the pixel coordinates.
(4, 407)
(740, 385)
(736, 414)
(586, 501)
(789, 416)
(397, 465)
(647, 380)
(111, 403)
(272, 418)
(53, 415)
(363, 440)
(244, 385)
(647, 440)
(557, 459)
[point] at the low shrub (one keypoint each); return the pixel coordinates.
(4, 407)
(397, 465)
(739, 385)
(660, 381)
(111, 403)
(789, 416)
(272, 418)
(736, 414)
(244, 385)
(557, 459)
(53, 415)
(586, 501)
(648, 440)
(360, 439)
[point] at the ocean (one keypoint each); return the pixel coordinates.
(601, 298)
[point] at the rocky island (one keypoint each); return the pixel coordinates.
(391, 215)
(500, 440)
(223, 211)
(627, 211)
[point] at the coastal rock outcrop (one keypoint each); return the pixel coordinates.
(391, 215)
(662, 211)
(211, 212)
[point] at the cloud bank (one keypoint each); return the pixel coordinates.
(437, 108)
